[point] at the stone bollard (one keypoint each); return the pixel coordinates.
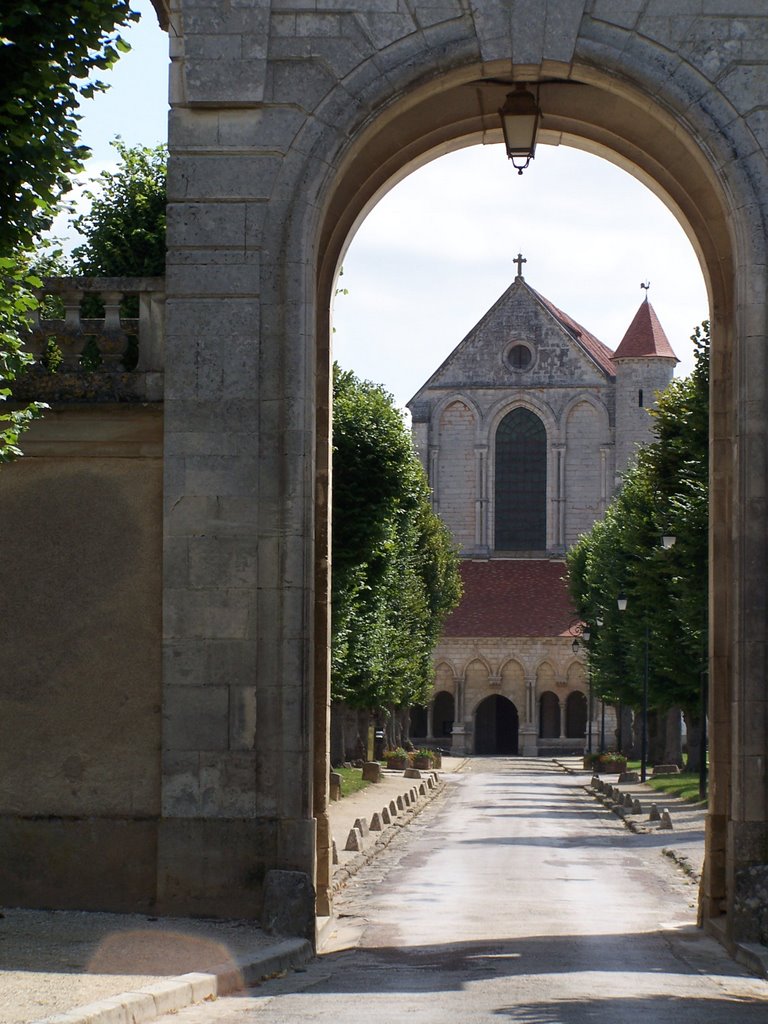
(288, 904)
(637, 807)
(375, 825)
(400, 804)
(393, 808)
(412, 773)
(372, 771)
(385, 816)
(666, 819)
(431, 781)
(627, 801)
(362, 825)
(354, 840)
(335, 786)
(422, 790)
(654, 813)
(406, 800)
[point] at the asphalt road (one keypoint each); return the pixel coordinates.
(512, 898)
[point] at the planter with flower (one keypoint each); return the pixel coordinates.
(397, 759)
(606, 763)
(424, 759)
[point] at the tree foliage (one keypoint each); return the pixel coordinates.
(395, 572)
(124, 229)
(665, 492)
(16, 301)
(48, 53)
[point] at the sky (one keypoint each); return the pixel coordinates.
(438, 249)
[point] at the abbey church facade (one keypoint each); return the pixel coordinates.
(524, 431)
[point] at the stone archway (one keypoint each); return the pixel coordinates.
(619, 122)
(496, 726)
(272, 167)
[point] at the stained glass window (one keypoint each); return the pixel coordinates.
(521, 483)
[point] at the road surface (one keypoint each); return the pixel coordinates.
(515, 898)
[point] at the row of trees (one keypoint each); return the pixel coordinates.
(665, 492)
(395, 570)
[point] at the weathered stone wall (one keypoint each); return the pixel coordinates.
(638, 382)
(81, 695)
(456, 487)
(585, 469)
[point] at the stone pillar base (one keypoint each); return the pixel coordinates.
(528, 741)
(217, 866)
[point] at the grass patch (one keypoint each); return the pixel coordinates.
(685, 785)
(351, 780)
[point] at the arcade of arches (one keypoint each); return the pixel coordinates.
(275, 157)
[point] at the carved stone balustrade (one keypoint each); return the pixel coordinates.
(109, 358)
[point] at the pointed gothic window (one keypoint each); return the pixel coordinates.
(521, 483)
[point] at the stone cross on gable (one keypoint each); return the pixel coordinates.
(520, 261)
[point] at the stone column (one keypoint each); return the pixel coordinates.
(481, 503)
(562, 719)
(529, 731)
(558, 497)
(240, 398)
(434, 476)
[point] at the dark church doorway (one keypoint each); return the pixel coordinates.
(496, 726)
(576, 716)
(549, 716)
(443, 714)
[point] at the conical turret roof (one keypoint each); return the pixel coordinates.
(645, 337)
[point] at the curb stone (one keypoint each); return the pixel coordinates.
(343, 874)
(174, 994)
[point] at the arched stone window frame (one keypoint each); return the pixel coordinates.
(553, 438)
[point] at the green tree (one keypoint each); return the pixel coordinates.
(665, 492)
(47, 53)
(395, 573)
(16, 302)
(124, 229)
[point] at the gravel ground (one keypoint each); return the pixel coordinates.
(51, 961)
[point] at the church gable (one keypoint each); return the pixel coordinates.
(523, 341)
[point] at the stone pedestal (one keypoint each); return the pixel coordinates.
(528, 741)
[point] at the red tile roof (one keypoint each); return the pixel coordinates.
(645, 337)
(512, 597)
(595, 348)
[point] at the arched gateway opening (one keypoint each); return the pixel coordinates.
(496, 726)
(614, 112)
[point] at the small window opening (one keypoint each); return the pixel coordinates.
(640, 398)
